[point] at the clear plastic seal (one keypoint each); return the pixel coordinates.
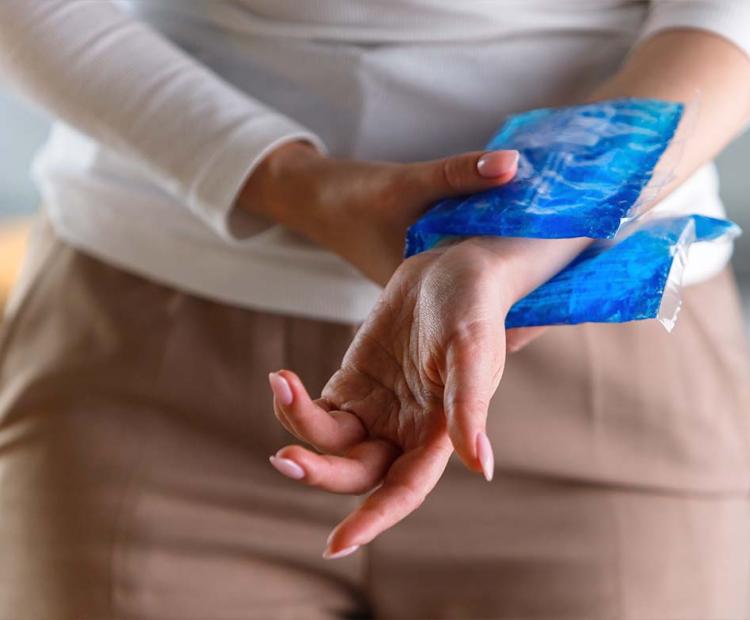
(634, 277)
(583, 172)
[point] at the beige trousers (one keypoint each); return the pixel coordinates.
(136, 423)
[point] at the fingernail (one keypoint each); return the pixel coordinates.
(340, 554)
(281, 389)
(287, 467)
(484, 454)
(497, 163)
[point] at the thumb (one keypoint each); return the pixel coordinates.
(466, 173)
(473, 372)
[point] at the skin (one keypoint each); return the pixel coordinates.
(361, 210)
(416, 382)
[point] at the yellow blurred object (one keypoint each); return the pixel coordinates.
(13, 235)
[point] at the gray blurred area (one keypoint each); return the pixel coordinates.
(735, 190)
(23, 129)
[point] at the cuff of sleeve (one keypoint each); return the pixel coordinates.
(213, 195)
(730, 20)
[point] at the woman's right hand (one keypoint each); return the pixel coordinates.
(414, 385)
(361, 210)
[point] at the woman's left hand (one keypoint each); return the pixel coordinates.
(414, 385)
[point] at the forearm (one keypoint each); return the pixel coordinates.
(702, 70)
(115, 79)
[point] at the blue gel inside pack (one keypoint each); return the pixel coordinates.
(581, 172)
(618, 281)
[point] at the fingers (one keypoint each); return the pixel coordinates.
(467, 173)
(363, 467)
(411, 477)
(310, 421)
(518, 337)
(474, 365)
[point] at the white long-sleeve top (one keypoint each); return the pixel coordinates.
(166, 107)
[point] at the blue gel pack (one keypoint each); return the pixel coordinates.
(581, 173)
(635, 278)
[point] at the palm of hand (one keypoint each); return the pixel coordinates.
(414, 385)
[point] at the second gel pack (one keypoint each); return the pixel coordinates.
(582, 173)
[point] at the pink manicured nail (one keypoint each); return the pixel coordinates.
(287, 467)
(340, 554)
(497, 163)
(485, 456)
(281, 389)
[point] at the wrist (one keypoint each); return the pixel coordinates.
(279, 183)
(524, 264)
(493, 263)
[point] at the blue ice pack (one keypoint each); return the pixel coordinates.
(637, 277)
(581, 173)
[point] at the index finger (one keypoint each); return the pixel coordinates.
(411, 477)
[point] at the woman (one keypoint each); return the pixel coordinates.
(226, 191)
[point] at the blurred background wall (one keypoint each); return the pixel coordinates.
(23, 129)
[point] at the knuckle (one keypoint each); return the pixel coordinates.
(469, 337)
(467, 404)
(412, 496)
(453, 173)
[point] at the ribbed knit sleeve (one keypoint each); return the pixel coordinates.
(115, 79)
